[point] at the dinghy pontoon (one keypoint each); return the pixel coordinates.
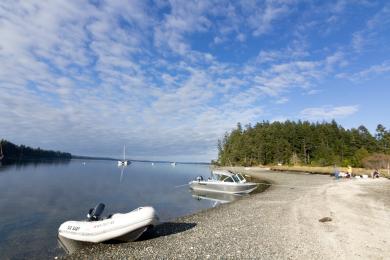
(73, 235)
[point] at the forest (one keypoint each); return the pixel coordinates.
(13, 152)
(302, 143)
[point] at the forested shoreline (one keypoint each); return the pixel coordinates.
(13, 152)
(303, 143)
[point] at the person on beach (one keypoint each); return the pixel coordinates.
(375, 174)
(349, 171)
(336, 172)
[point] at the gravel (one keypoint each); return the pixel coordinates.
(280, 223)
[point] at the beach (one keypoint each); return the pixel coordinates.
(281, 223)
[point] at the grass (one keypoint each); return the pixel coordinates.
(327, 170)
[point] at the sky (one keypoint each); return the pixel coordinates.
(169, 78)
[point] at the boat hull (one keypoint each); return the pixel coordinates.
(219, 197)
(71, 246)
(128, 226)
(124, 163)
(224, 187)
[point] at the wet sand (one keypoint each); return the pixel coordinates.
(282, 222)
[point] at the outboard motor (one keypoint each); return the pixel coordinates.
(95, 213)
(199, 178)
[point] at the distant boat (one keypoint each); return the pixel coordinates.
(173, 164)
(152, 163)
(124, 161)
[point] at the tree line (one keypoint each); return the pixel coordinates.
(13, 152)
(302, 143)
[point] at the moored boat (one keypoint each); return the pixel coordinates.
(124, 162)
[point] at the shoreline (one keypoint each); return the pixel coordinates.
(281, 222)
(323, 170)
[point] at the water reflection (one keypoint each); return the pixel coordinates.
(122, 168)
(216, 197)
(20, 164)
(36, 197)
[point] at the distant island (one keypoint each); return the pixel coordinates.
(18, 153)
(304, 143)
(11, 153)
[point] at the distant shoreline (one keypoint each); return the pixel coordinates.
(81, 157)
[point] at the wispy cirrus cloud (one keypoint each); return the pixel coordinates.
(328, 112)
(167, 78)
(377, 70)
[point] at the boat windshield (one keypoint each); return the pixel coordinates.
(235, 178)
(240, 177)
(228, 179)
(232, 178)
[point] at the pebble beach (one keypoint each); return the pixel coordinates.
(300, 216)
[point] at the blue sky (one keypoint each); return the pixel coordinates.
(168, 78)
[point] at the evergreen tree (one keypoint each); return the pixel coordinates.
(301, 142)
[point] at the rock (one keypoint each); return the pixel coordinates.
(325, 219)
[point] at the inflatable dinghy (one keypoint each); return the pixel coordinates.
(73, 235)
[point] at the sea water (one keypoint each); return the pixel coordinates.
(36, 198)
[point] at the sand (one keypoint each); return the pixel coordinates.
(280, 223)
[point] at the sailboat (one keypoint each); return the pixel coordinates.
(124, 162)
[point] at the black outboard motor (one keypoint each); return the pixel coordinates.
(199, 178)
(95, 213)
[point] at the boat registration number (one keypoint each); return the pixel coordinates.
(73, 228)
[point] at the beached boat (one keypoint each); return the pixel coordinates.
(73, 235)
(124, 161)
(223, 181)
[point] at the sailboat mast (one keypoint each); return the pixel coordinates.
(124, 152)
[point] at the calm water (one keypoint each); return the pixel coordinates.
(36, 198)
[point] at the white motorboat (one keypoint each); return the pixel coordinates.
(225, 182)
(124, 162)
(73, 235)
(173, 164)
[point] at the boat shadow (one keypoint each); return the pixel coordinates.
(166, 229)
(161, 230)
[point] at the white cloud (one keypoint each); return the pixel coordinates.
(87, 78)
(282, 100)
(328, 112)
(263, 16)
(368, 73)
(374, 33)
